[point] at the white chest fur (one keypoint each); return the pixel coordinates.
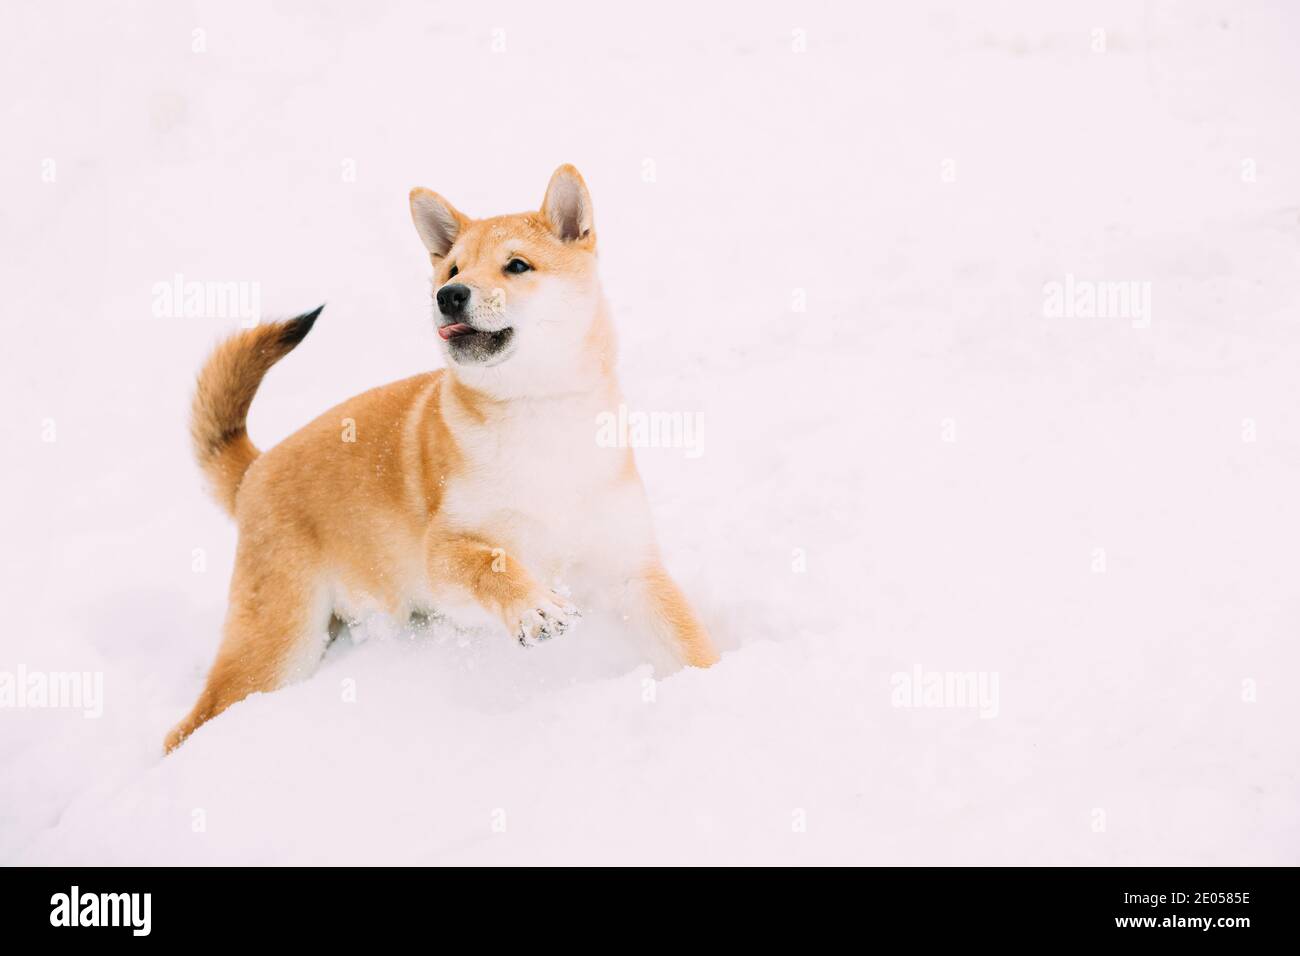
(536, 480)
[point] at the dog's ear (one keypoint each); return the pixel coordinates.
(436, 220)
(567, 207)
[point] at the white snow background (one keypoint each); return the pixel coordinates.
(916, 173)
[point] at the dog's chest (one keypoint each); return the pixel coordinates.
(545, 490)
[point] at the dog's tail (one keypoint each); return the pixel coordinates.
(226, 386)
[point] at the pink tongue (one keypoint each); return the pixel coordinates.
(451, 331)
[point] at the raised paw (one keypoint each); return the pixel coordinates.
(550, 616)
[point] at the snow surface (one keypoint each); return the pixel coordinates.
(1125, 729)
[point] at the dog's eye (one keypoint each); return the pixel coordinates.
(453, 273)
(517, 266)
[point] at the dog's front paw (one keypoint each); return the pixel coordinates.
(549, 616)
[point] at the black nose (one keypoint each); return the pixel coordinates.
(452, 298)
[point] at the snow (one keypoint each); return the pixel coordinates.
(915, 473)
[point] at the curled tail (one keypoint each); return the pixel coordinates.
(225, 391)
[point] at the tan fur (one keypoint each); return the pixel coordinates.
(225, 391)
(401, 517)
(697, 649)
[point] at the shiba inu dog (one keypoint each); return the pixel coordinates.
(478, 489)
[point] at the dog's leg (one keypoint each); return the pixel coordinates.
(496, 581)
(276, 630)
(658, 604)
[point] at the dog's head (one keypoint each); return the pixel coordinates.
(517, 294)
